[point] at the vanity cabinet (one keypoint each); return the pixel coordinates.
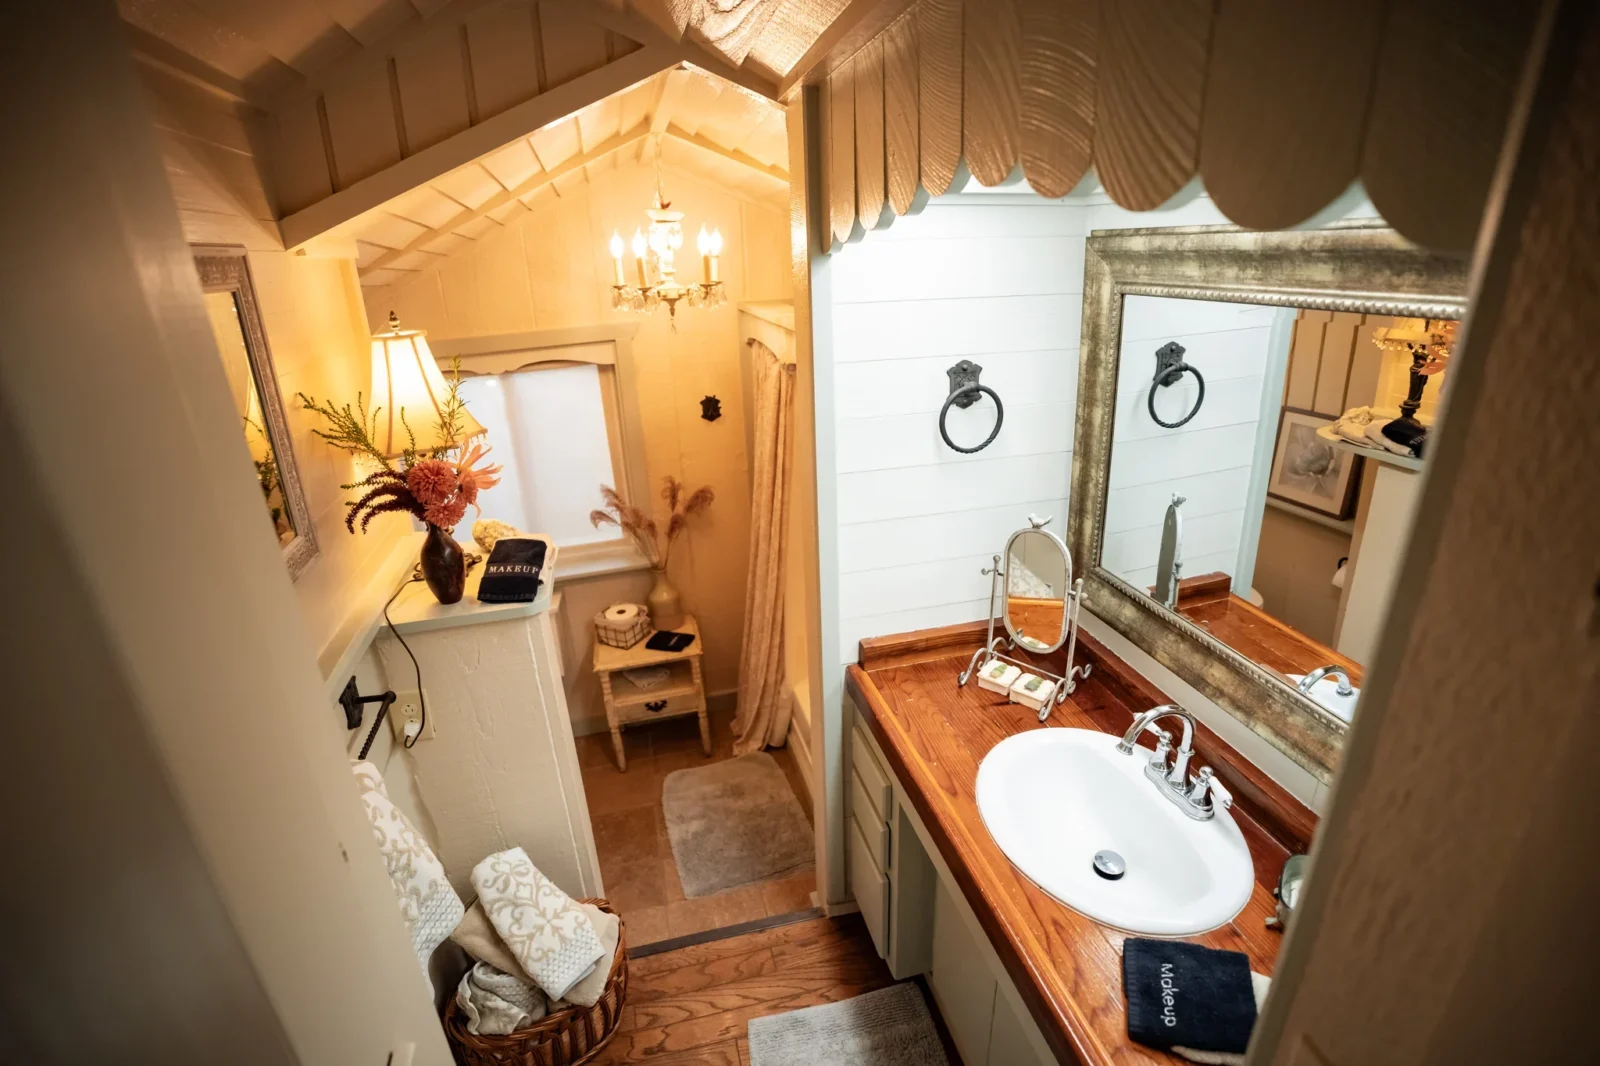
(919, 920)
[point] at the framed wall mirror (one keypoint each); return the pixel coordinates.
(242, 343)
(1253, 415)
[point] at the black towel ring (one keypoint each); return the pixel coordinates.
(964, 392)
(1170, 367)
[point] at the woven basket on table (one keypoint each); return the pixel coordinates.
(562, 1038)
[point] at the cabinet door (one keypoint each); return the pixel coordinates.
(1014, 1041)
(962, 984)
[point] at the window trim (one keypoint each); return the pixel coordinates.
(608, 346)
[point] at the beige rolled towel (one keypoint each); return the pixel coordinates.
(476, 936)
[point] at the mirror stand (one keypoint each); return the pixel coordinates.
(993, 642)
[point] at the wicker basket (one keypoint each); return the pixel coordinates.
(622, 634)
(564, 1038)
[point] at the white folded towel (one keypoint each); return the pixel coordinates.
(587, 992)
(546, 930)
(428, 905)
(1352, 425)
(1375, 436)
(497, 1003)
(478, 938)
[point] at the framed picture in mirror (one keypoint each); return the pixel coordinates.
(235, 320)
(1310, 470)
(1267, 505)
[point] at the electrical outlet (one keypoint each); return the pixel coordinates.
(408, 708)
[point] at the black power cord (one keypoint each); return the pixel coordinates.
(422, 699)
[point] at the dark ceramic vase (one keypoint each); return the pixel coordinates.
(444, 566)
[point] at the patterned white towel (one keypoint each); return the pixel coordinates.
(546, 929)
(428, 905)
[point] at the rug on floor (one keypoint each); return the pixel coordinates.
(889, 1027)
(733, 823)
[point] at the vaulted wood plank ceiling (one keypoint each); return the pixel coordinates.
(697, 122)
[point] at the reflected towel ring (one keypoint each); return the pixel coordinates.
(1170, 367)
(965, 390)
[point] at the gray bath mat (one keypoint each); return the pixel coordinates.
(734, 822)
(889, 1027)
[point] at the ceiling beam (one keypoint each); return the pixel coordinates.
(475, 141)
(844, 37)
(526, 188)
(731, 154)
(673, 86)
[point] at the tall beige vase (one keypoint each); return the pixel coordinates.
(666, 608)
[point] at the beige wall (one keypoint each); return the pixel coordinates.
(1295, 562)
(315, 323)
(549, 268)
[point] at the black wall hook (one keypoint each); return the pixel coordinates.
(351, 699)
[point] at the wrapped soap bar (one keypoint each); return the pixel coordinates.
(998, 676)
(1033, 691)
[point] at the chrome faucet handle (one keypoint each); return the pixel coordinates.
(1163, 746)
(1206, 792)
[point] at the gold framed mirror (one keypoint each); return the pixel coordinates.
(235, 320)
(1219, 369)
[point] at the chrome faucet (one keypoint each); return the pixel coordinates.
(1309, 681)
(1196, 796)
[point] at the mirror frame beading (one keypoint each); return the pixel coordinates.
(1360, 266)
(223, 268)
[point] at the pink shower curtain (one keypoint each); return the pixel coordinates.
(762, 720)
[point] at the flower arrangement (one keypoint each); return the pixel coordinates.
(642, 528)
(427, 484)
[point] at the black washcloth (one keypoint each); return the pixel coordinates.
(512, 573)
(1185, 995)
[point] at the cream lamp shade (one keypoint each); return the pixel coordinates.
(406, 381)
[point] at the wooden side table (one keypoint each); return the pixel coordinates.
(627, 704)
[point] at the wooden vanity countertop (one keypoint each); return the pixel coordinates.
(1067, 967)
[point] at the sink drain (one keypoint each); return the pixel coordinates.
(1109, 865)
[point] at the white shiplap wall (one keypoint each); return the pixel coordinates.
(998, 280)
(1209, 459)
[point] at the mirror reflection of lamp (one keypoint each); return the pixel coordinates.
(1429, 342)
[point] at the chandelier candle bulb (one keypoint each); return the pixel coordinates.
(639, 248)
(616, 257)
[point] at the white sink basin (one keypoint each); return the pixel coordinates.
(1326, 692)
(1052, 798)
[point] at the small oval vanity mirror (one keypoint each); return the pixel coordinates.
(1038, 578)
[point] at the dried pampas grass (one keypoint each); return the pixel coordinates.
(642, 528)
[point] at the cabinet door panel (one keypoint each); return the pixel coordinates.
(962, 984)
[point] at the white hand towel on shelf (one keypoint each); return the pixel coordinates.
(428, 905)
(546, 930)
(1352, 425)
(497, 1003)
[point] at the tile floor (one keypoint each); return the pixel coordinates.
(636, 864)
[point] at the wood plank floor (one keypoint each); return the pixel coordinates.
(692, 1005)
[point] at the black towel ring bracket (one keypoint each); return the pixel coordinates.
(1170, 368)
(965, 390)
